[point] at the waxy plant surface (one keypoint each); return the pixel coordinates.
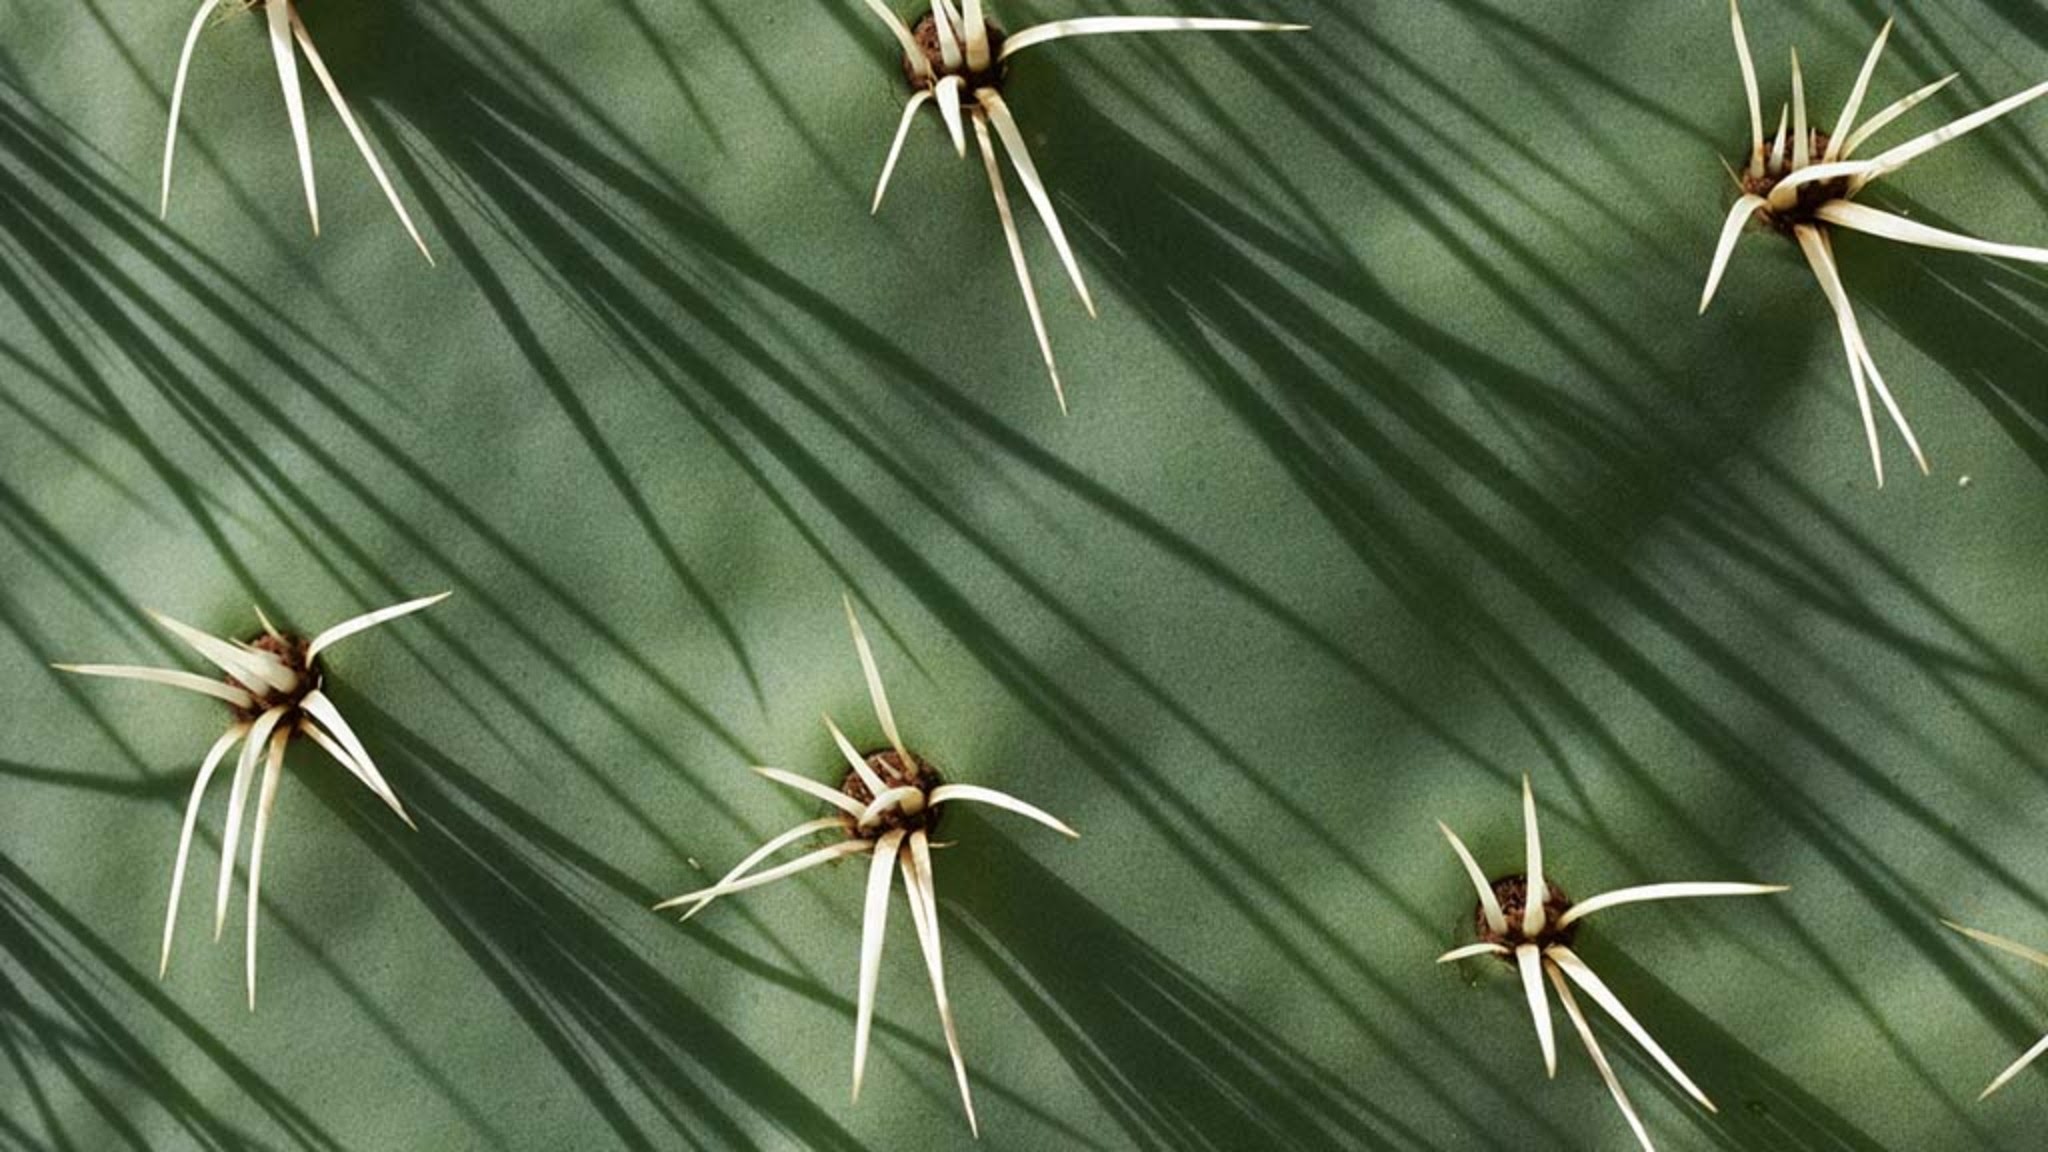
(1400, 466)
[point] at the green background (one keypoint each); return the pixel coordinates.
(1399, 466)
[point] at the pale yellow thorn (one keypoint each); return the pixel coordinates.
(918, 884)
(808, 828)
(272, 769)
(1862, 218)
(2012, 947)
(1034, 187)
(355, 133)
(1585, 1030)
(1731, 234)
(905, 39)
(206, 771)
(896, 147)
(1891, 405)
(1749, 89)
(1884, 393)
(1883, 120)
(1472, 952)
(781, 871)
(876, 693)
(949, 41)
(2031, 956)
(257, 670)
(238, 800)
(279, 19)
(178, 97)
(1684, 890)
(1530, 961)
(855, 760)
(1784, 136)
(995, 183)
(1567, 960)
(1893, 159)
(322, 709)
(977, 37)
(1823, 265)
(1802, 136)
(832, 796)
(188, 681)
(973, 793)
(1534, 912)
(1839, 139)
(333, 749)
(949, 90)
(1489, 904)
(2018, 1066)
(368, 620)
(1115, 25)
(342, 757)
(874, 923)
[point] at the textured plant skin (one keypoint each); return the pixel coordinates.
(1407, 468)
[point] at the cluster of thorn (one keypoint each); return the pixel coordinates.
(1535, 937)
(1804, 182)
(887, 807)
(955, 58)
(288, 37)
(273, 688)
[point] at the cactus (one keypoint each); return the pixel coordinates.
(1400, 466)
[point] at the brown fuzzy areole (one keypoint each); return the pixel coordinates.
(1513, 894)
(1811, 196)
(926, 32)
(890, 768)
(291, 650)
